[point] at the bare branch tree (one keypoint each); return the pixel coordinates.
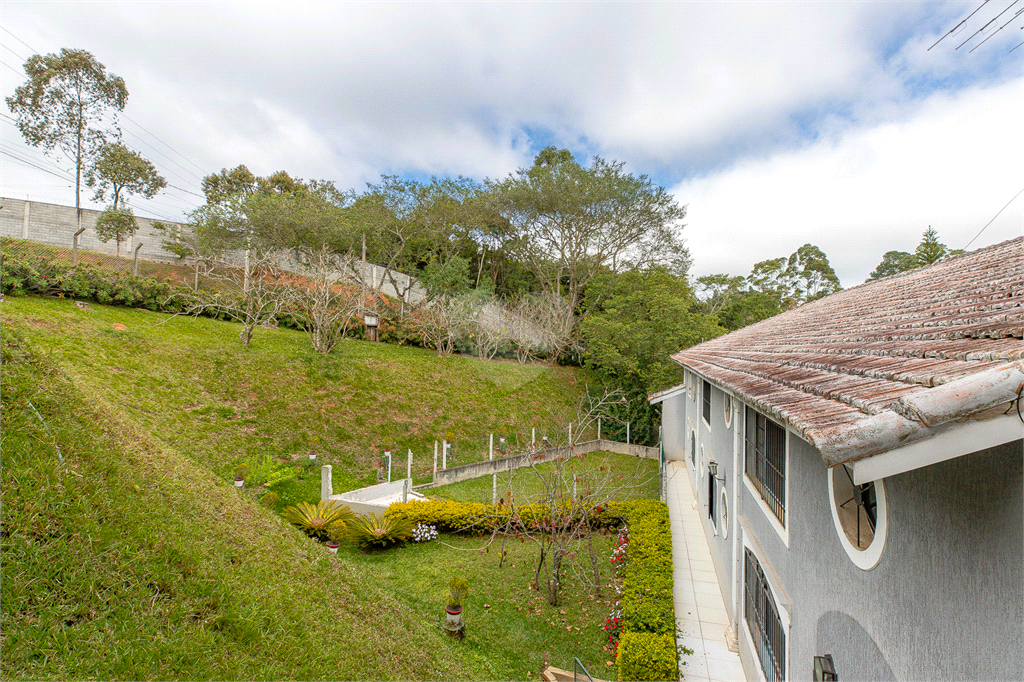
(326, 299)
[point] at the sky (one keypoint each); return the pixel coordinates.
(775, 123)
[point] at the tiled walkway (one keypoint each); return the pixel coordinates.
(700, 608)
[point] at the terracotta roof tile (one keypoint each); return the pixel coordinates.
(829, 365)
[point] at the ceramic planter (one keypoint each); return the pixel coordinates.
(333, 546)
(454, 614)
(239, 482)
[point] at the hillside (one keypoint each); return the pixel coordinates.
(133, 557)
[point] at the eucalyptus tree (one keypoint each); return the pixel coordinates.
(69, 103)
(119, 172)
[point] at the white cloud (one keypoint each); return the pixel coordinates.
(952, 165)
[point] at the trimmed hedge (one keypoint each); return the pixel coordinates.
(647, 646)
(647, 656)
(477, 518)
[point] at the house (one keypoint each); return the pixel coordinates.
(859, 466)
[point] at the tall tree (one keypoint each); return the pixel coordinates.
(636, 321)
(574, 222)
(811, 273)
(893, 262)
(117, 224)
(931, 250)
(118, 170)
(65, 105)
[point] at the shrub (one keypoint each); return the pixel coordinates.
(320, 519)
(378, 531)
(648, 656)
(269, 500)
(476, 518)
(458, 588)
(647, 646)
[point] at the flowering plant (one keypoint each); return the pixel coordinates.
(424, 533)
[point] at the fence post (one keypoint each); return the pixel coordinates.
(570, 434)
(74, 246)
(533, 438)
(444, 454)
(494, 476)
(388, 453)
(628, 424)
(135, 264)
(599, 428)
(408, 467)
(326, 485)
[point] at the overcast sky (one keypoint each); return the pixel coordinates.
(776, 123)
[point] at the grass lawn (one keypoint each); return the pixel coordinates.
(191, 384)
(606, 474)
(133, 557)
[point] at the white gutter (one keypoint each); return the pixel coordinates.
(948, 442)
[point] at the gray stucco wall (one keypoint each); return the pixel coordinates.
(946, 599)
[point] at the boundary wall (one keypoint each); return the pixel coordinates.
(56, 224)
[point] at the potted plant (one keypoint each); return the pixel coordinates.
(334, 540)
(458, 588)
(241, 471)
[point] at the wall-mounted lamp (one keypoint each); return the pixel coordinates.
(824, 668)
(713, 470)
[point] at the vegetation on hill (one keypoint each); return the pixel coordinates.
(127, 554)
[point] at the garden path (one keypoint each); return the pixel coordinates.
(700, 608)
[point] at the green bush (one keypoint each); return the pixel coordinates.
(648, 656)
(647, 646)
(477, 518)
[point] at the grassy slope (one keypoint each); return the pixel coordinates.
(191, 384)
(134, 558)
(128, 561)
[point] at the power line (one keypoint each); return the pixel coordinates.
(201, 170)
(1017, 14)
(989, 23)
(994, 218)
(956, 28)
(19, 40)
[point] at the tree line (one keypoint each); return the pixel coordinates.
(558, 261)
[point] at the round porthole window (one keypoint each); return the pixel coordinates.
(860, 516)
(724, 505)
(728, 411)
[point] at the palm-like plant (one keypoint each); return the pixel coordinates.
(379, 531)
(320, 520)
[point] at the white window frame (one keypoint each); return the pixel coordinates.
(867, 558)
(704, 382)
(728, 403)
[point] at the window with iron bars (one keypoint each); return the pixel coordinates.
(765, 461)
(763, 620)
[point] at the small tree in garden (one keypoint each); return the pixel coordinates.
(116, 223)
(326, 300)
(252, 298)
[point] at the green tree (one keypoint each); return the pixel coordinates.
(118, 170)
(116, 223)
(812, 275)
(931, 250)
(65, 104)
(572, 223)
(636, 321)
(228, 183)
(893, 262)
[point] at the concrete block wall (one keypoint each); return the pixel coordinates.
(56, 225)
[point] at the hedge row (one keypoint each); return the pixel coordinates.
(476, 517)
(647, 645)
